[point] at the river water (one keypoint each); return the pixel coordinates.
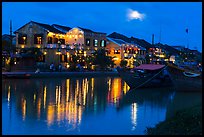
(81, 106)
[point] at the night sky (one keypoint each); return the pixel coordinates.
(138, 19)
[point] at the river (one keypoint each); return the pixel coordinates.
(84, 106)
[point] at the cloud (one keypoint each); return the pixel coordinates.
(133, 14)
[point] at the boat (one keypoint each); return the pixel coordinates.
(185, 79)
(145, 75)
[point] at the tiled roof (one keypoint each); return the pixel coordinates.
(142, 44)
(119, 36)
(64, 28)
(48, 27)
(118, 41)
(45, 26)
(88, 30)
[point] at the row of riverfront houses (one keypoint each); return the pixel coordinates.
(59, 43)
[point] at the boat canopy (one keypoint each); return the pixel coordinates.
(150, 66)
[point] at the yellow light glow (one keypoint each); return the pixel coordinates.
(45, 53)
(50, 115)
(9, 92)
(38, 46)
(67, 85)
(116, 58)
(23, 108)
(39, 107)
(50, 34)
(22, 46)
(58, 53)
(34, 98)
(45, 92)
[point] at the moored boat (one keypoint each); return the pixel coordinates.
(185, 80)
(145, 75)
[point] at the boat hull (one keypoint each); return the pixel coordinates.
(182, 82)
(144, 82)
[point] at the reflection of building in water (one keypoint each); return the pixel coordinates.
(116, 89)
(134, 115)
(64, 101)
(69, 104)
(126, 88)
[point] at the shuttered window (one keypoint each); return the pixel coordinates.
(55, 40)
(49, 40)
(87, 42)
(38, 38)
(22, 39)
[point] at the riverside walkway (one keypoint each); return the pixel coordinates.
(60, 74)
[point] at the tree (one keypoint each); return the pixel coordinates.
(88, 61)
(123, 63)
(73, 63)
(102, 59)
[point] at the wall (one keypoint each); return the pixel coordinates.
(30, 29)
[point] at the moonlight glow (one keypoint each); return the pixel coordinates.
(133, 14)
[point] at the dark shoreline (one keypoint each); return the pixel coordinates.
(58, 74)
(185, 122)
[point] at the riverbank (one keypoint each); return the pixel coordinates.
(59, 74)
(186, 122)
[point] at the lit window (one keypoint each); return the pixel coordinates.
(22, 40)
(39, 40)
(95, 42)
(102, 43)
(88, 42)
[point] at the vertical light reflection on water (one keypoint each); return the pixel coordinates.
(44, 99)
(23, 106)
(50, 114)
(39, 107)
(92, 87)
(126, 88)
(134, 115)
(34, 98)
(9, 93)
(67, 91)
(116, 89)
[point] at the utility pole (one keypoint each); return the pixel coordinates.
(10, 36)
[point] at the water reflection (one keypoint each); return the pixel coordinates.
(68, 105)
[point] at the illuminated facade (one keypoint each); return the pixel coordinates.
(58, 43)
(121, 50)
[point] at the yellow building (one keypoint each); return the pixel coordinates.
(58, 43)
(122, 50)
